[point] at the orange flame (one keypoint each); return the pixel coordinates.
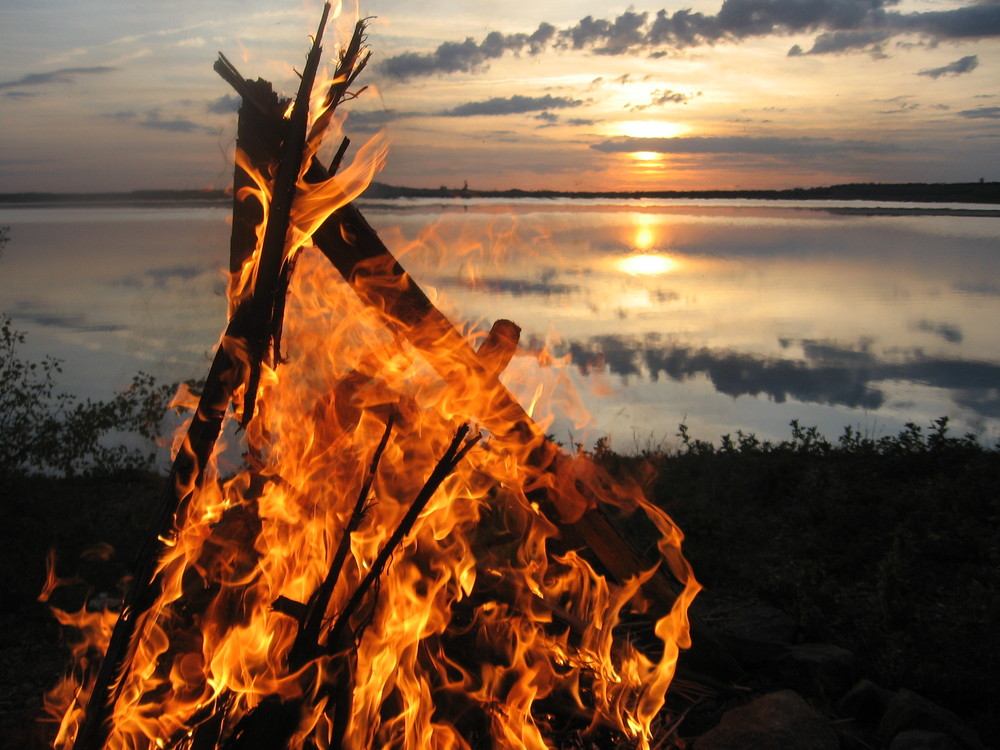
(484, 620)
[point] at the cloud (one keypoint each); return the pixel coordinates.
(948, 331)
(467, 56)
(844, 26)
(625, 33)
(982, 113)
(741, 145)
(374, 120)
(72, 323)
(161, 278)
(64, 75)
(661, 97)
(517, 104)
(833, 42)
(153, 120)
(224, 105)
(963, 65)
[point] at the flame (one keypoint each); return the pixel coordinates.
(485, 618)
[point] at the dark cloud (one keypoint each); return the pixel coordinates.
(970, 22)
(985, 288)
(833, 42)
(513, 287)
(660, 97)
(153, 120)
(160, 278)
(20, 94)
(63, 75)
(741, 145)
(982, 113)
(224, 105)
(369, 122)
(843, 26)
(963, 65)
(624, 34)
(517, 104)
(467, 56)
(55, 320)
(581, 122)
(948, 331)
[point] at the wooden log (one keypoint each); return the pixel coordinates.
(250, 322)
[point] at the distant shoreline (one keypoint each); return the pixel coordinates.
(987, 193)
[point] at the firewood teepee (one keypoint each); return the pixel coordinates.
(407, 560)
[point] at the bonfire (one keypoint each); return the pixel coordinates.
(405, 558)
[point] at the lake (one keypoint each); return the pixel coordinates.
(726, 315)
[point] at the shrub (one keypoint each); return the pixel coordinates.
(44, 431)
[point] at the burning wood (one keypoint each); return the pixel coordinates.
(377, 577)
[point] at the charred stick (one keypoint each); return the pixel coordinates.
(338, 158)
(307, 640)
(273, 248)
(272, 722)
(455, 453)
(340, 637)
(349, 67)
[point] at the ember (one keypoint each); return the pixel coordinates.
(407, 560)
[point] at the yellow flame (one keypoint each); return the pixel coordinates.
(477, 618)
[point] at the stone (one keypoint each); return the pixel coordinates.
(777, 721)
(817, 669)
(866, 702)
(907, 711)
(919, 739)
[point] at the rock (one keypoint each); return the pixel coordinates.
(817, 669)
(745, 618)
(865, 702)
(754, 633)
(777, 721)
(918, 739)
(908, 711)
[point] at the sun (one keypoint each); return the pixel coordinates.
(647, 129)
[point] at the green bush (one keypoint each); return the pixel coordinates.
(44, 431)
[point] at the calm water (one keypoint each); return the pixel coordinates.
(726, 315)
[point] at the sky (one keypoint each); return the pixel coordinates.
(99, 95)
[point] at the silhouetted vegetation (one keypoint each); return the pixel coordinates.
(46, 431)
(961, 192)
(888, 546)
(965, 192)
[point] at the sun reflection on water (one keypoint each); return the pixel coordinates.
(646, 264)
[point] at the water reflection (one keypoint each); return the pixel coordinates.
(744, 316)
(829, 373)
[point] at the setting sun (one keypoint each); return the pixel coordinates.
(646, 155)
(648, 129)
